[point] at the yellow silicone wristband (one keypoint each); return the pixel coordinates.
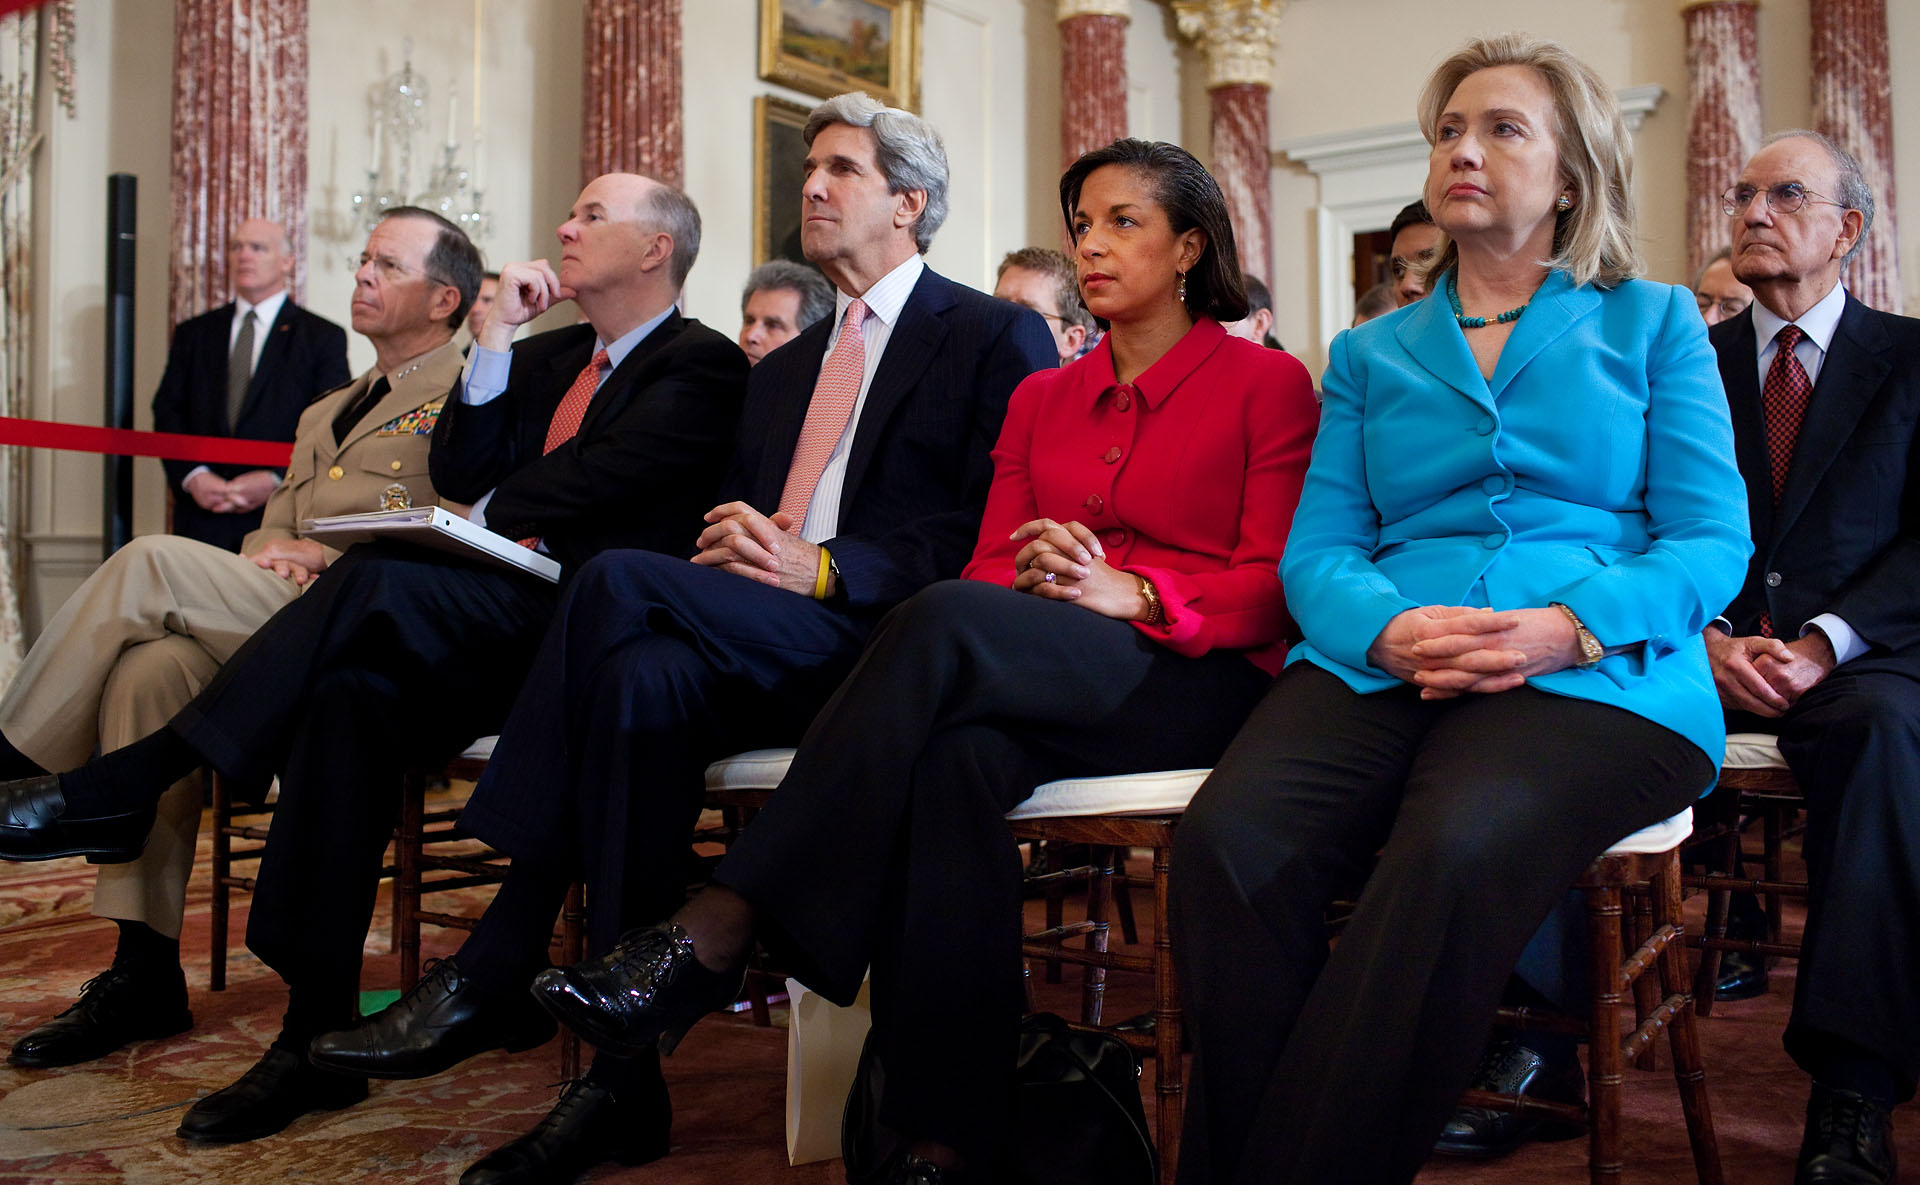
(820, 581)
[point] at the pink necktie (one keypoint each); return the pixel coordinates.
(827, 415)
(572, 410)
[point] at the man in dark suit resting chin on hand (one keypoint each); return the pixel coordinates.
(609, 434)
(860, 477)
(1822, 646)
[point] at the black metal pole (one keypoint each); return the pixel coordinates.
(117, 491)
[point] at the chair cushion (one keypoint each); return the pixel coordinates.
(1754, 750)
(1661, 837)
(758, 769)
(1165, 793)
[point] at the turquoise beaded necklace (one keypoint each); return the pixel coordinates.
(1466, 322)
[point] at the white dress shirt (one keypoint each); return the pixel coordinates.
(1817, 325)
(264, 314)
(884, 300)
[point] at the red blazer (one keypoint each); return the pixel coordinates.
(1189, 474)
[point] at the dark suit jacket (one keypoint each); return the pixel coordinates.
(921, 461)
(304, 357)
(1845, 538)
(644, 466)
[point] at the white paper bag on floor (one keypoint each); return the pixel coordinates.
(823, 1050)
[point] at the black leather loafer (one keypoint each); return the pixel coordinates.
(35, 825)
(116, 1007)
(280, 1088)
(915, 1171)
(1742, 976)
(1478, 1133)
(1848, 1141)
(644, 993)
(443, 1021)
(588, 1126)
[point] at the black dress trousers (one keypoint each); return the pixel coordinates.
(653, 668)
(1313, 1067)
(395, 657)
(887, 844)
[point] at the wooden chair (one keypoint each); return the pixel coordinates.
(1754, 782)
(1646, 865)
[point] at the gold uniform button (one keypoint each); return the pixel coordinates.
(336, 473)
(396, 466)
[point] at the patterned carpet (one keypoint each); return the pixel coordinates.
(113, 1120)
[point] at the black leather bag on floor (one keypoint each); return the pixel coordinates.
(1077, 1117)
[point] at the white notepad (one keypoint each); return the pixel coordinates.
(432, 526)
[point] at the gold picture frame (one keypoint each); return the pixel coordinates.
(826, 47)
(779, 170)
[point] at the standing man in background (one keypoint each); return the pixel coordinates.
(245, 370)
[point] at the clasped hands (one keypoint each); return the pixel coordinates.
(1065, 562)
(1452, 650)
(1766, 676)
(747, 543)
(298, 560)
(217, 495)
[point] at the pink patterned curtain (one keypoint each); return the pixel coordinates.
(1723, 116)
(1853, 106)
(630, 114)
(239, 137)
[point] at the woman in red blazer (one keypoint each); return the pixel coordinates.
(1122, 612)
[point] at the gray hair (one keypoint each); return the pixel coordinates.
(674, 215)
(1725, 253)
(910, 153)
(1854, 193)
(784, 275)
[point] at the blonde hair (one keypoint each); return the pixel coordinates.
(1592, 242)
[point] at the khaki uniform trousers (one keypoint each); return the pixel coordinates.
(129, 649)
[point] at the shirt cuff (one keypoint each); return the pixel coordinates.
(478, 515)
(1723, 625)
(486, 375)
(192, 473)
(1846, 644)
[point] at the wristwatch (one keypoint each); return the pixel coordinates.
(1591, 651)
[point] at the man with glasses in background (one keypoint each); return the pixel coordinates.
(1045, 282)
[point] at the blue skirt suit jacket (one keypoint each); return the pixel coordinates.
(1596, 468)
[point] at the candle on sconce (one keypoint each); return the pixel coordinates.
(453, 107)
(373, 167)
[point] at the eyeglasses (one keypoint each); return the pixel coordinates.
(1730, 307)
(1784, 198)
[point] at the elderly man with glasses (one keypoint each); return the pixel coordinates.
(1822, 645)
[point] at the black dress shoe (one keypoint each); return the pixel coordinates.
(644, 993)
(589, 1125)
(116, 1007)
(280, 1088)
(1511, 1068)
(915, 1171)
(35, 825)
(443, 1021)
(1849, 1140)
(1742, 976)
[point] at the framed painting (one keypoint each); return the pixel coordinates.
(779, 170)
(824, 47)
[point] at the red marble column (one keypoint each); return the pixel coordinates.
(1093, 80)
(239, 137)
(1853, 105)
(1243, 165)
(631, 114)
(1723, 115)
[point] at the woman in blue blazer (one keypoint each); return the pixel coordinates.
(1521, 511)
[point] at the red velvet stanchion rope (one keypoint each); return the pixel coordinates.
(125, 442)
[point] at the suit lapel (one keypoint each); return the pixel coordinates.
(272, 355)
(625, 378)
(325, 449)
(429, 381)
(910, 350)
(1552, 311)
(1436, 343)
(1855, 367)
(1739, 373)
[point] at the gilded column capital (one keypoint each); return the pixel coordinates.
(1066, 10)
(1238, 36)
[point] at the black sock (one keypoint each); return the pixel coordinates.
(129, 778)
(1842, 1065)
(625, 1075)
(144, 949)
(15, 764)
(313, 1010)
(509, 945)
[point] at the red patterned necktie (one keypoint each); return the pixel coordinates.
(1783, 400)
(827, 415)
(572, 410)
